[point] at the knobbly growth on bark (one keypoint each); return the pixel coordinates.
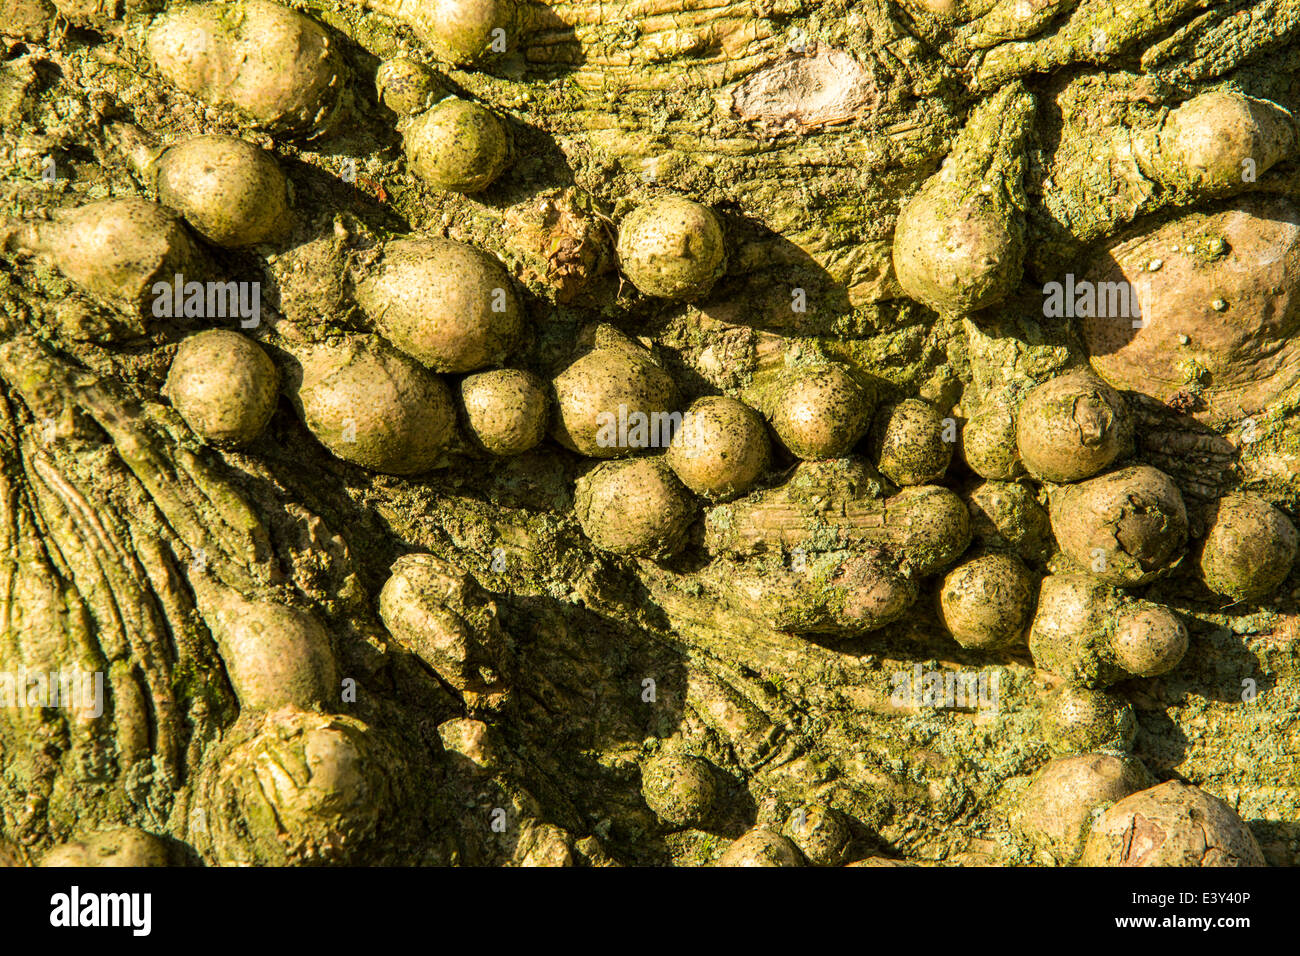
(533, 432)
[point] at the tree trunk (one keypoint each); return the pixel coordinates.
(133, 549)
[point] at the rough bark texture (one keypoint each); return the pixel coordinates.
(805, 125)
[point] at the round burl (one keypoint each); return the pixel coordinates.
(721, 449)
(1173, 824)
(672, 248)
(1060, 805)
(611, 402)
(1127, 527)
(988, 602)
(954, 253)
(1148, 641)
(505, 410)
(821, 833)
(446, 304)
(837, 594)
(910, 445)
(1093, 634)
(636, 508)
(464, 31)
(679, 788)
(932, 528)
(376, 408)
(232, 192)
(305, 789)
(224, 386)
(1007, 515)
(1070, 427)
(821, 412)
(457, 146)
(1080, 719)
(1212, 140)
(988, 443)
(760, 847)
(1249, 549)
(127, 251)
(405, 86)
(276, 65)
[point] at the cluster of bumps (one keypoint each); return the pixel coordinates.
(442, 308)
(1115, 529)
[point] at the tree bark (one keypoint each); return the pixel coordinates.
(806, 126)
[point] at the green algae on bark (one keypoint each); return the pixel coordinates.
(1096, 31)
